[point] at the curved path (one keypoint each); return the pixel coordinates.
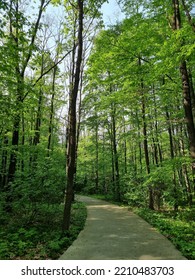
(114, 233)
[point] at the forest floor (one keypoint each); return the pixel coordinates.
(112, 232)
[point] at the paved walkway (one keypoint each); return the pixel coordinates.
(114, 233)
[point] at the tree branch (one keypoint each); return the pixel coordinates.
(188, 15)
(46, 72)
(42, 7)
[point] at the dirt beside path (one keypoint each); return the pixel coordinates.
(114, 233)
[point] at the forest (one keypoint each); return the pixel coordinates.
(106, 111)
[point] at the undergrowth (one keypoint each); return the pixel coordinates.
(39, 236)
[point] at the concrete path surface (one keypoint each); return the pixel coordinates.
(112, 232)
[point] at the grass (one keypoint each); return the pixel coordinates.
(39, 236)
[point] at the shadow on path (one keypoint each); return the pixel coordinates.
(113, 233)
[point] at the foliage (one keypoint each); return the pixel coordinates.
(133, 139)
(133, 101)
(41, 236)
(135, 193)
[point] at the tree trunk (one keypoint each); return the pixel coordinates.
(187, 102)
(51, 113)
(192, 92)
(115, 155)
(125, 151)
(37, 125)
(36, 138)
(71, 145)
(184, 169)
(104, 187)
(190, 19)
(175, 192)
(78, 126)
(139, 143)
(96, 158)
(15, 138)
(188, 110)
(4, 159)
(23, 142)
(19, 103)
(12, 163)
(147, 160)
(146, 152)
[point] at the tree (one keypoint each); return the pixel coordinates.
(22, 48)
(80, 9)
(71, 145)
(187, 103)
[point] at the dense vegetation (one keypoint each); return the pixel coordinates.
(96, 110)
(40, 237)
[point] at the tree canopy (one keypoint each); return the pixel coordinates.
(93, 109)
